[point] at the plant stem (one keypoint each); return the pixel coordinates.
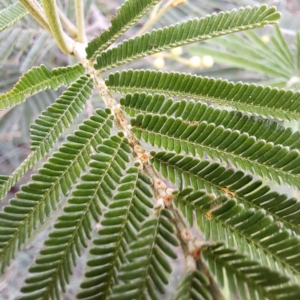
(63, 41)
(37, 12)
(67, 24)
(80, 21)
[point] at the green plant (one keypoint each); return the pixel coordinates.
(144, 200)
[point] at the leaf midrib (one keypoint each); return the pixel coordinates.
(224, 153)
(84, 213)
(185, 42)
(33, 156)
(248, 238)
(241, 199)
(29, 91)
(118, 243)
(222, 102)
(240, 275)
(36, 207)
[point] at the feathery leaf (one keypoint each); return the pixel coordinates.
(50, 124)
(193, 287)
(250, 230)
(11, 14)
(185, 33)
(95, 190)
(196, 112)
(38, 79)
(127, 15)
(250, 154)
(186, 171)
(251, 98)
(247, 277)
(145, 272)
(39, 198)
(121, 222)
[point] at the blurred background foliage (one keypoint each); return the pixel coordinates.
(268, 56)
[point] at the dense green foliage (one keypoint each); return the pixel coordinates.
(154, 185)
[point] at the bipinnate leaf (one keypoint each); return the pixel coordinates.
(40, 197)
(230, 146)
(127, 15)
(186, 171)
(49, 126)
(250, 98)
(184, 33)
(38, 79)
(11, 14)
(250, 230)
(195, 112)
(146, 270)
(73, 228)
(193, 286)
(247, 279)
(120, 224)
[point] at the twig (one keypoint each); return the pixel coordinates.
(63, 41)
(37, 12)
(67, 24)
(192, 247)
(80, 21)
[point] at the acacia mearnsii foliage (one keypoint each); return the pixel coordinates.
(170, 190)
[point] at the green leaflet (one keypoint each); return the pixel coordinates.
(246, 152)
(247, 277)
(251, 98)
(186, 171)
(49, 126)
(74, 227)
(197, 112)
(11, 14)
(146, 269)
(250, 230)
(127, 15)
(120, 224)
(193, 286)
(38, 79)
(185, 33)
(39, 198)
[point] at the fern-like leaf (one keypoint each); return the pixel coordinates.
(50, 124)
(185, 33)
(224, 219)
(193, 286)
(256, 156)
(249, 52)
(39, 198)
(264, 101)
(11, 14)
(186, 171)
(146, 270)
(127, 15)
(247, 279)
(95, 190)
(120, 225)
(197, 112)
(38, 79)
